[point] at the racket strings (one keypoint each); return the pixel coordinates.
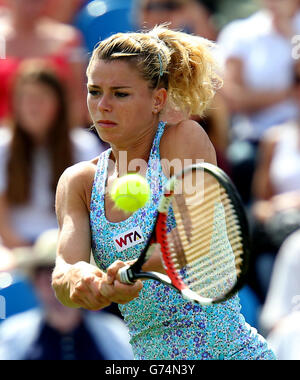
(177, 247)
(183, 209)
(197, 228)
(213, 253)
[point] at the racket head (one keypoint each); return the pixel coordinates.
(206, 255)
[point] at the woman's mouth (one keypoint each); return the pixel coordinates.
(106, 123)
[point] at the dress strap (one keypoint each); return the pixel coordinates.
(101, 173)
(155, 152)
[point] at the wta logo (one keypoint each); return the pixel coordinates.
(128, 239)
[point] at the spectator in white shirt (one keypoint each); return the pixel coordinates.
(285, 338)
(258, 81)
(283, 296)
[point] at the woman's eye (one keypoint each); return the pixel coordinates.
(94, 92)
(121, 94)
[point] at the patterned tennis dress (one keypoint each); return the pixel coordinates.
(162, 324)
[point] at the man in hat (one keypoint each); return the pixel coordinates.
(52, 331)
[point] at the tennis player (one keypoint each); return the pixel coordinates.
(134, 80)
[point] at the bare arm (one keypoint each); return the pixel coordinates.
(76, 282)
(241, 98)
(267, 201)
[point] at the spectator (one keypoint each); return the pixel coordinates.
(276, 188)
(278, 165)
(283, 296)
(276, 184)
(195, 17)
(28, 34)
(52, 331)
(65, 12)
(259, 75)
(285, 338)
(34, 153)
(190, 16)
(280, 317)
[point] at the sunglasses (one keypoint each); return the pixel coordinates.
(164, 6)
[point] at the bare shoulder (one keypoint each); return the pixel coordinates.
(80, 173)
(187, 140)
(75, 185)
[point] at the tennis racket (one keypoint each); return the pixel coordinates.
(206, 254)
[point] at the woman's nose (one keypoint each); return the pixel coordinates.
(104, 104)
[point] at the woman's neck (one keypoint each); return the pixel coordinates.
(133, 156)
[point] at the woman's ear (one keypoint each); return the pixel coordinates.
(159, 100)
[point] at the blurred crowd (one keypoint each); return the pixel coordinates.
(254, 124)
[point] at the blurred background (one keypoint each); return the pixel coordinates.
(253, 123)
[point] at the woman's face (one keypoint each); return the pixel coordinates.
(121, 104)
(36, 108)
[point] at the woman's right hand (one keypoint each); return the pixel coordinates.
(84, 284)
(117, 292)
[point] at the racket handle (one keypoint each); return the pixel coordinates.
(126, 276)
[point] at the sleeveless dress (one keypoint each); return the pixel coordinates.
(161, 323)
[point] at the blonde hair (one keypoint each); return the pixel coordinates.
(181, 63)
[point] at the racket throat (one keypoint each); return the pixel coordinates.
(191, 296)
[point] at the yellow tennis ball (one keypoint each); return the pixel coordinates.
(130, 192)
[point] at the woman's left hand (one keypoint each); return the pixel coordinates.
(112, 289)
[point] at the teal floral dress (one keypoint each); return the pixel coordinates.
(161, 323)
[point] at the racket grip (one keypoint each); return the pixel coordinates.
(125, 275)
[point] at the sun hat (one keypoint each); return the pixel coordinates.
(42, 253)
